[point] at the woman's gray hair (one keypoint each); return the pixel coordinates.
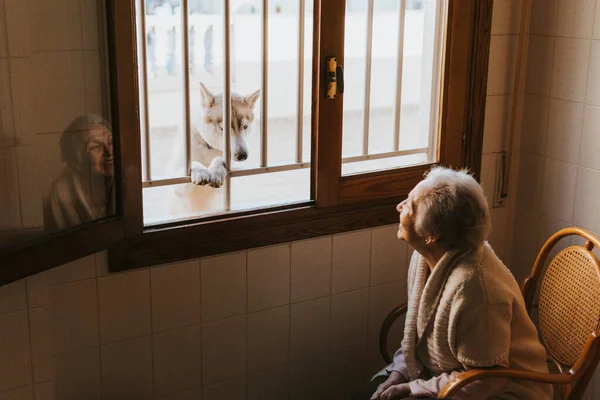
(454, 207)
(73, 138)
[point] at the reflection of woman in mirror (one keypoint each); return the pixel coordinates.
(84, 191)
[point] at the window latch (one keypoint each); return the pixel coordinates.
(334, 76)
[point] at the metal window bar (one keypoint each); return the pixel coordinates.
(288, 167)
(185, 60)
(300, 112)
(265, 78)
(227, 105)
(365, 145)
(146, 127)
(401, 30)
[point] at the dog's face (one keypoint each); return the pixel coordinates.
(242, 118)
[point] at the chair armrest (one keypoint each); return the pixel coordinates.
(385, 330)
(472, 375)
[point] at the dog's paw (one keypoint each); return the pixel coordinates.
(218, 172)
(200, 176)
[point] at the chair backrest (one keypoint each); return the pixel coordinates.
(569, 302)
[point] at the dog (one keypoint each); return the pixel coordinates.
(206, 155)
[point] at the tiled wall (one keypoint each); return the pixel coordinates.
(559, 177)
(297, 319)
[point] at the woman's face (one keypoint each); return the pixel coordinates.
(100, 150)
(408, 210)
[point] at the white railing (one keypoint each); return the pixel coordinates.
(431, 58)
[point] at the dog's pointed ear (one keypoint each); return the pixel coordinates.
(252, 98)
(208, 99)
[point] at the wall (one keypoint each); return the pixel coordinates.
(298, 319)
(559, 176)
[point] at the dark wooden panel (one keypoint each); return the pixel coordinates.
(175, 244)
(330, 112)
(394, 183)
(59, 248)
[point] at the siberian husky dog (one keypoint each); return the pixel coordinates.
(208, 168)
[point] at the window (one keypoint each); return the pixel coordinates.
(414, 74)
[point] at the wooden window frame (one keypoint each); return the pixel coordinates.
(341, 203)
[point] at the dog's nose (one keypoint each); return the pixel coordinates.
(241, 156)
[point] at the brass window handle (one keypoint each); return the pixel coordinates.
(334, 77)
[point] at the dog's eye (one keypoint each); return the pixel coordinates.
(245, 126)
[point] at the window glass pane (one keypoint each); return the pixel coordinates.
(270, 149)
(56, 140)
(392, 72)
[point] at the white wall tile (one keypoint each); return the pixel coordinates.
(3, 38)
(592, 95)
(596, 30)
(575, 18)
(44, 391)
(488, 176)
(590, 138)
(505, 17)
(76, 270)
(6, 107)
(569, 72)
(57, 25)
(529, 189)
(223, 282)
(124, 306)
(268, 338)
(175, 296)
(502, 64)
(57, 76)
(13, 297)
(539, 64)
(548, 226)
(587, 194)
(349, 313)
(543, 17)
(268, 277)
(351, 258)
(74, 316)
(40, 325)
(388, 256)
(92, 22)
(558, 192)
(192, 394)
(497, 238)
(10, 216)
(176, 356)
(535, 124)
(25, 393)
(22, 98)
(32, 211)
(311, 269)
(95, 90)
(564, 130)
(348, 371)
(224, 349)
(382, 300)
(310, 379)
(271, 383)
(127, 369)
(233, 389)
(78, 375)
(310, 327)
(497, 118)
(18, 27)
(526, 238)
(15, 368)
(102, 263)
(47, 155)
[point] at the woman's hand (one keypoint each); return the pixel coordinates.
(399, 391)
(395, 378)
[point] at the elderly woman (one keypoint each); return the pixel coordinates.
(465, 309)
(84, 191)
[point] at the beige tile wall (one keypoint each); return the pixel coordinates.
(299, 319)
(559, 176)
